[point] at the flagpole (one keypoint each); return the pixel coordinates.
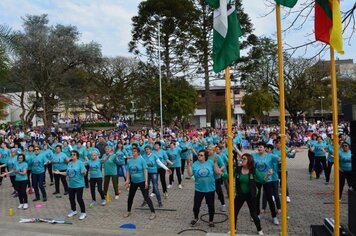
(335, 142)
(282, 122)
(229, 148)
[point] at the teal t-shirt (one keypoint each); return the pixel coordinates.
(174, 156)
(186, 152)
(92, 149)
(95, 168)
(58, 161)
(11, 164)
(29, 157)
(66, 150)
(74, 173)
(121, 154)
(48, 153)
(151, 162)
(5, 154)
(204, 176)
(82, 153)
(345, 160)
(318, 149)
(136, 168)
(265, 162)
(38, 163)
(220, 163)
(110, 165)
(20, 167)
(162, 156)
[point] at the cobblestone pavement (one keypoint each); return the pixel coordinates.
(311, 203)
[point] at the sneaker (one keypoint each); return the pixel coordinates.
(117, 197)
(143, 204)
(194, 222)
(288, 199)
(65, 193)
(152, 216)
(51, 184)
(180, 186)
(20, 206)
(223, 208)
(72, 213)
(275, 221)
(326, 183)
(55, 193)
(103, 202)
(273, 198)
(36, 199)
(93, 203)
(82, 216)
(169, 186)
(211, 224)
(25, 206)
(152, 194)
(160, 204)
(165, 195)
(260, 232)
(127, 214)
(15, 195)
(45, 199)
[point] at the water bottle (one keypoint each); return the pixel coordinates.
(11, 213)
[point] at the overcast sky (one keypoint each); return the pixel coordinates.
(108, 22)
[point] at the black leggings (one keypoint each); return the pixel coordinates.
(115, 183)
(179, 176)
(219, 191)
(2, 170)
(12, 179)
(311, 161)
(144, 191)
(268, 190)
(209, 199)
(342, 176)
(21, 190)
(79, 193)
(64, 182)
(86, 180)
(50, 171)
(162, 177)
(328, 171)
(29, 173)
(251, 203)
(320, 164)
(182, 167)
(93, 182)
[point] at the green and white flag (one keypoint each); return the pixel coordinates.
(287, 3)
(227, 30)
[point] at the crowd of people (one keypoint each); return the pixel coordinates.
(143, 158)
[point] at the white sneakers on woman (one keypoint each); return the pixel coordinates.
(20, 206)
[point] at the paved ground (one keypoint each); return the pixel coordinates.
(311, 203)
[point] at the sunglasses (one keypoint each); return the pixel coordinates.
(36, 149)
(201, 155)
(73, 154)
(244, 159)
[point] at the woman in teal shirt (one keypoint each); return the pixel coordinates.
(59, 163)
(203, 171)
(75, 172)
(320, 150)
(20, 170)
(174, 156)
(137, 177)
(11, 162)
(96, 178)
(345, 171)
(110, 171)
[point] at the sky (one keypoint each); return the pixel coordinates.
(108, 22)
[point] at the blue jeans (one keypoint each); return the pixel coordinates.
(154, 178)
(37, 182)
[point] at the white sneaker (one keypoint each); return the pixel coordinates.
(25, 206)
(273, 198)
(152, 194)
(275, 221)
(180, 186)
(82, 216)
(288, 199)
(260, 232)
(169, 186)
(223, 208)
(103, 202)
(117, 197)
(93, 203)
(72, 213)
(165, 195)
(20, 206)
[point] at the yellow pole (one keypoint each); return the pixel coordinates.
(335, 141)
(282, 120)
(229, 148)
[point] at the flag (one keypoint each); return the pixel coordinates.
(328, 26)
(226, 33)
(287, 3)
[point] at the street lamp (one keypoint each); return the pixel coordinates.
(321, 107)
(160, 75)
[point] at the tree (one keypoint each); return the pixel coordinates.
(303, 82)
(174, 18)
(44, 55)
(109, 87)
(257, 102)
